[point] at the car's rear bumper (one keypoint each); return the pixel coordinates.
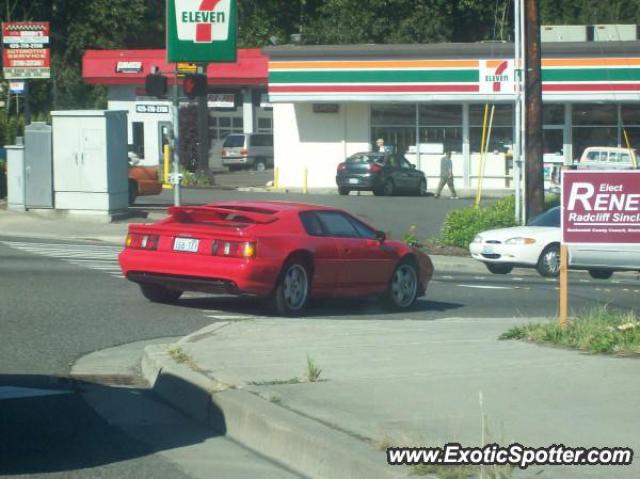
(237, 161)
(196, 272)
(358, 181)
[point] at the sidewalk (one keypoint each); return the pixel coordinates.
(403, 383)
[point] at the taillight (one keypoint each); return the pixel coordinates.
(375, 167)
(139, 241)
(342, 167)
(234, 249)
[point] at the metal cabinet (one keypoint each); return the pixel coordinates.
(90, 160)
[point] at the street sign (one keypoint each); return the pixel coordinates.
(201, 31)
(16, 87)
(601, 207)
(184, 68)
(26, 52)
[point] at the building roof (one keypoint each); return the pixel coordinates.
(100, 67)
(484, 50)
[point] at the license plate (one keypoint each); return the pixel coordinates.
(354, 181)
(487, 250)
(186, 244)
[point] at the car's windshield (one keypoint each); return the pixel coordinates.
(234, 141)
(548, 218)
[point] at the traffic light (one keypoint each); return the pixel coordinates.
(195, 85)
(156, 85)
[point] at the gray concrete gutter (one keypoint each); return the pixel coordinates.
(297, 442)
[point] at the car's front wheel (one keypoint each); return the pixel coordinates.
(157, 293)
(293, 288)
(499, 268)
(600, 273)
(403, 287)
(549, 261)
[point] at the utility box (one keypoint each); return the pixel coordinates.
(38, 166)
(90, 162)
(614, 33)
(563, 33)
(15, 177)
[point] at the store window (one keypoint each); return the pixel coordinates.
(631, 125)
(396, 124)
(441, 124)
(594, 124)
(221, 126)
(501, 133)
(137, 133)
(553, 114)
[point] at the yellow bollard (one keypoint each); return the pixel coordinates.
(276, 178)
(305, 189)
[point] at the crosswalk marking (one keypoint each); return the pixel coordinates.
(97, 257)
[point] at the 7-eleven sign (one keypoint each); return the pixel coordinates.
(201, 31)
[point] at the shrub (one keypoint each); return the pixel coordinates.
(462, 225)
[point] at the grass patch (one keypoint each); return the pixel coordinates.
(464, 472)
(597, 330)
(313, 371)
(180, 357)
(275, 382)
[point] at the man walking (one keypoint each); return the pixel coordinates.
(446, 176)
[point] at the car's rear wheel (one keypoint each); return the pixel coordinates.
(388, 188)
(293, 288)
(160, 294)
(343, 191)
(261, 165)
(422, 188)
(133, 191)
(403, 286)
(499, 268)
(600, 273)
(549, 261)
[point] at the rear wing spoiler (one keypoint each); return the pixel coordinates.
(219, 215)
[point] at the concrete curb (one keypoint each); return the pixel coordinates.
(302, 444)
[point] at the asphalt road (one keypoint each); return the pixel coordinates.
(394, 215)
(60, 301)
(56, 305)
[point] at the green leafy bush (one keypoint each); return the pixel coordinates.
(461, 226)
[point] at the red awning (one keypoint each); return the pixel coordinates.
(129, 67)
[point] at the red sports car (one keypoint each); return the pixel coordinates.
(289, 252)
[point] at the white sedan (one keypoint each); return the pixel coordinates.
(537, 245)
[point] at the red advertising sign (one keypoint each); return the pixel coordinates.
(26, 50)
(601, 207)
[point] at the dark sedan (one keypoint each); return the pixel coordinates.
(382, 173)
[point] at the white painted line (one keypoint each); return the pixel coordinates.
(448, 277)
(480, 277)
(477, 286)
(518, 279)
(227, 317)
(12, 392)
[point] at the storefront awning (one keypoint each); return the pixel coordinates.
(130, 67)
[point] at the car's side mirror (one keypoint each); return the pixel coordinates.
(381, 236)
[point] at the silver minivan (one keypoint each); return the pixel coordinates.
(248, 150)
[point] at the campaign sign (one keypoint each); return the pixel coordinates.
(601, 207)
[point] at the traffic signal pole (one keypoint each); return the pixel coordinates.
(176, 144)
(203, 128)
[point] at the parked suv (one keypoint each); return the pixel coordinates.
(248, 150)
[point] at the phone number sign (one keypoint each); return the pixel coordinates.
(25, 50)
(601, 207)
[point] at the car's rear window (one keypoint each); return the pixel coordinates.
(365, 158)
(233, 141)
(261, 140)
